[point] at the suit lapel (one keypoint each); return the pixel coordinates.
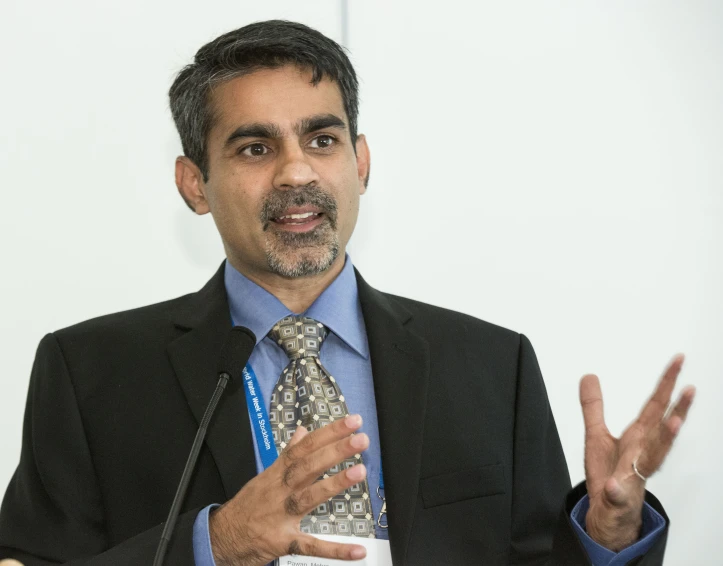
(400, 366)
(194, 357)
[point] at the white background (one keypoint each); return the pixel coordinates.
(553, 167)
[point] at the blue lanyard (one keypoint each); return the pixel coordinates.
(259, 417)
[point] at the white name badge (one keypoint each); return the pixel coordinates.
(378, 554)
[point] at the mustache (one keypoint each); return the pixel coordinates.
(309, 195)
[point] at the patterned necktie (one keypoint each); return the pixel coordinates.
(305, 394)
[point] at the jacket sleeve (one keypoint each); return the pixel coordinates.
(567, 543)
(540, 477)
(52, 512)
(542, 530)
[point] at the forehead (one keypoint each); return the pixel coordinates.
(281, 96)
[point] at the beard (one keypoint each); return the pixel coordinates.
(299, 254)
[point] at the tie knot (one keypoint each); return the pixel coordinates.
(299, 336)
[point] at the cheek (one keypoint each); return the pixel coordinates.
(352, 193)
(349, 207)
(235, 208)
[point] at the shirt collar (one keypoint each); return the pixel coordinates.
(337, 307)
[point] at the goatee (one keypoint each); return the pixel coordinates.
(299, 254)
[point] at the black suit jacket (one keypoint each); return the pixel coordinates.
(473, 466)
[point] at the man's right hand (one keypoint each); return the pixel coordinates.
(261, 522)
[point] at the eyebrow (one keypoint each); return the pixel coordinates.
(256, 130)
(269, 130)
(319, 122)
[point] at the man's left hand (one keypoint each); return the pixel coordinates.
(616, 492)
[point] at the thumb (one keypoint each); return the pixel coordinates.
(614, 492)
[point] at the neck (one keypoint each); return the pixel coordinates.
(297, 293)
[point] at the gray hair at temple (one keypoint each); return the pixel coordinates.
(261, 45)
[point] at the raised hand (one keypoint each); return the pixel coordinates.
(616, 492)
(261, 522)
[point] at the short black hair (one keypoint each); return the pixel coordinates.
(261, 45)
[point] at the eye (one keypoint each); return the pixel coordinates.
(323, 141)
(255, 150)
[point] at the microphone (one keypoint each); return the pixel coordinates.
(234, 355)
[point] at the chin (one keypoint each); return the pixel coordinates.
(302, 262)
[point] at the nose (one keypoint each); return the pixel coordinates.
(294, 169)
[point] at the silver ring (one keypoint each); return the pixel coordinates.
(637, 473)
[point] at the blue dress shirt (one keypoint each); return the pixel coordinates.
(345, 354)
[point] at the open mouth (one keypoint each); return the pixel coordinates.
(299, 220)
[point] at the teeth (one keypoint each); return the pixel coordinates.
(298, 216)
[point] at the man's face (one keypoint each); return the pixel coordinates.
(284, 180)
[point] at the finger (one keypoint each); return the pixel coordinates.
(308, 545)
(682, 406)
(661, 439)
(299, 433)
(304, 471)
(655, 408)
(311, 442)
(591, 402)
(303, 502)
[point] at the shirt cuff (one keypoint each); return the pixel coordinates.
(653, 526)
(202, 552)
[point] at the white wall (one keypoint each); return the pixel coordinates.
(551, 167)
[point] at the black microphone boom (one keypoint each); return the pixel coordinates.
(234, 355)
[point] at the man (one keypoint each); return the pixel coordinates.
(453, 408)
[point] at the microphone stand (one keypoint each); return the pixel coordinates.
(188, 470)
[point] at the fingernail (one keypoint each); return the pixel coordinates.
(353, 421)
(358, 552)
(356, 473)
(359, 440)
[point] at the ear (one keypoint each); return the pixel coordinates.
(189, 181)
(362, 162)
